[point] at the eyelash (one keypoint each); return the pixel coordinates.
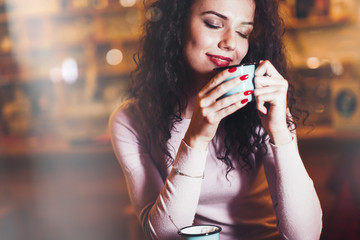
(242, 35)
(209, 25)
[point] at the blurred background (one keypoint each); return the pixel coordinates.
(65, 66)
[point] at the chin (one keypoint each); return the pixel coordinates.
(205, 72)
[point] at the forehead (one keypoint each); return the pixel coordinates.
(233, 9)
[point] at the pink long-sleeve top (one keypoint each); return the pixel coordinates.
(274, 199)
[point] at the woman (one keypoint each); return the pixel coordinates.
(191, 156)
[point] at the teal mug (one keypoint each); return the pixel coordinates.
(200, 232)
(241, 70)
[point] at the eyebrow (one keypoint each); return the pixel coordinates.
(224, 17)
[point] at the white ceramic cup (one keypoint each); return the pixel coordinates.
(248, 84)
(200, 232)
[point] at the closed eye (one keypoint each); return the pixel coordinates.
(244, 31)
(243, 35)
(213, 26)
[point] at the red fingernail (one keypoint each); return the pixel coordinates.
(244, 77)
(233, 69)
(244, 101)
(248, 93)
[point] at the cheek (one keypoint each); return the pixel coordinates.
(200, 41)
(196, 47)
(243, 47)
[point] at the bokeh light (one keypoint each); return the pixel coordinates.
(114, 57)
(127, 3)
(313, 62)
(69, 70)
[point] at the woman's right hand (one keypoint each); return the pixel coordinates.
(210, 109)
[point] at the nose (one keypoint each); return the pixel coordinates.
(228, 40)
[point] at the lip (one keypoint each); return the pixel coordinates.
(219, 61)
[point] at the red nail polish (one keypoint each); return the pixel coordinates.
(233, 69)
(244, 101)
(248, 93)
(244, 77)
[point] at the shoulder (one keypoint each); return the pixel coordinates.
(125, 113)
(125, 118)
(122, 112)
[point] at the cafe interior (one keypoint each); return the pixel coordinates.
(65, 66)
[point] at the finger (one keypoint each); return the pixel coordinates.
(224, 112)
(272, 100)
(276, 91)
(260, 105)
(266, 68)
(231, 100)
(219, 91)
(264, 81)
(216, 80)
(272, 97)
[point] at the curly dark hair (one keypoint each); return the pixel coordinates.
(158, 87)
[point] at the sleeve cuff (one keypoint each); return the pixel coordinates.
(290, 146)
(190, 161)
(287, 158)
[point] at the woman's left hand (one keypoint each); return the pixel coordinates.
(271, 101)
